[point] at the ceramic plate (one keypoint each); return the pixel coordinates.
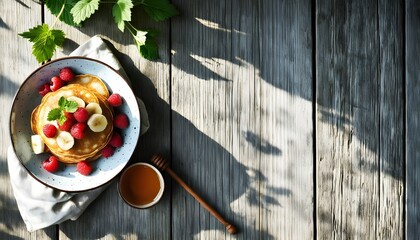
(67, 178)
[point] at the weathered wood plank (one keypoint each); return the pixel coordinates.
(391, 120)
(108, 217)
(413, 121)
(241, 78)
(16, 63)
(347, 80)
(201, 115)
(285, 67)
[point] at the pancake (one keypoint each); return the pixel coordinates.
(87, 148)
(93, 83)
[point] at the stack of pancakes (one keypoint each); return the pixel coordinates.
(90, 89)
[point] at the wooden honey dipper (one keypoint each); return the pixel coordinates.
(159, 162)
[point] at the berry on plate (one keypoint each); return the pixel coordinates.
(81, 115)
(116, 140)
(66, 74)
(78, 130)
(115, 100)
(56, 83)
(44, 89)
(68, 123)
(51, 164)
(121, 121)
(49, 130)
(108, 151)
(84, 168)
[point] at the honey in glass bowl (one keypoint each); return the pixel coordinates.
(141, 185)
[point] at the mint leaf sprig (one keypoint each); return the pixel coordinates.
(46, 39)
(64, 105)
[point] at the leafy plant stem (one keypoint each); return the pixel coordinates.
(131, 28)
(46, 39)
(58, 15)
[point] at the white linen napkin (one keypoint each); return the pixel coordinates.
(41, 206)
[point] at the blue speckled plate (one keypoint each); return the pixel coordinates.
(67, 178)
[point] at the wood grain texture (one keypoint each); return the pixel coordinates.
(412, 71)
(231, 105)
(16, 64)
(201, 110)
(242, 118)
(391, 120)
(109, 217)
(348, 128)
(285, 67)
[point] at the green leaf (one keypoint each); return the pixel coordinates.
(45, 41)
(62, 102)
(62, 118)
(149, 50)
(58, 36)
(140, 37)
(83, 9)
(68, 106)
(158, 10)
(122, 12)
(145, 42)
(32, 33)
(55, 6)
(63, 105)
(54, 114)
(71, 106)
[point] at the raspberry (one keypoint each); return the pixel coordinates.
(51, 164)
(44, 89)
(68, 123)
(116, 140)
(121, 121)
(78, 130)
(115, 100)
(81, 115)
(49, 130)
(108, 151)
(66, 74)
(56, 83)
(84, 168)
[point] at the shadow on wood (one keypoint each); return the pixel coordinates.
(144, 88)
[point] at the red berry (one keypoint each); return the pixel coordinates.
(68, 123)
(121, 121)
(56, 83)
(81, 115)
(78, 130)
(66, 74)
(84, 168)
(44, 89)
(51, 164)
(116, 140)
(115, 100)
(108, 151)
(49, 130)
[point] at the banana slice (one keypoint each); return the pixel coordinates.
(65, 140)
(97, 122)
(93, 108)
(79, 101)
(37, 144)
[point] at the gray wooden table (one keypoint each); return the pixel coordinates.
(294, 119)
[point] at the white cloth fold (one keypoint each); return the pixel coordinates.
(41, 206)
